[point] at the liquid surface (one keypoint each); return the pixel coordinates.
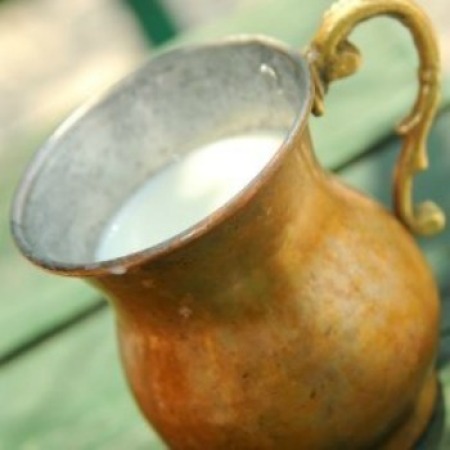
(186, 192)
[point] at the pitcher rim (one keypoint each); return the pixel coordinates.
(120, 265)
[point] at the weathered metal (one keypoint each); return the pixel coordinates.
(333, 57)
(299, 315)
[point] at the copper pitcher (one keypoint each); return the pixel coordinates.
(300, 315)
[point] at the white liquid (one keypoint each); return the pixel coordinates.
(186, 192)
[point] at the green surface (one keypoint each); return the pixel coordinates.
(31, 301)
(154, 19)
(68, 392)
(373, 174)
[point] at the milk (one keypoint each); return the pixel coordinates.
(185, 192)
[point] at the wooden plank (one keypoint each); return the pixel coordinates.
(32, 302)
(373, 175)
(444, 375)
(154, 19)
(70, 394)
(362, 109)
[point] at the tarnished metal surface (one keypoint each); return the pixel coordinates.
(287, 323)
(300, 315)
(332, 57)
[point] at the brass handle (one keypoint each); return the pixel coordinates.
(332, 56)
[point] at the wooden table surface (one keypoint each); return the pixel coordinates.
(61, 386)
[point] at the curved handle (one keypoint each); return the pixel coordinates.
(332, 56)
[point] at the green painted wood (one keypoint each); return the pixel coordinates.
(70, 394)
(154, 19)
(373, 174)
(358, 115)
(445, 379)
(362, 109)
(31, 301)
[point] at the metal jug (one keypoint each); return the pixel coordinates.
(299, 315)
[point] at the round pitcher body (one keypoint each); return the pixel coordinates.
(311, 321)
(298, 315)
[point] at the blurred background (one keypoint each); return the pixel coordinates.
(56, 53)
